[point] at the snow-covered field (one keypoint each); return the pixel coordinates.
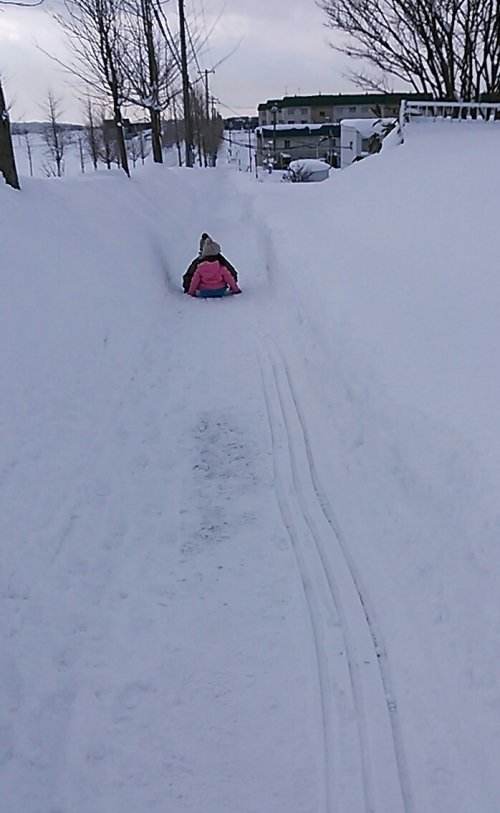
(35, 158)
(250, 547)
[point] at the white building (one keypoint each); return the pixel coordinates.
(361, 137)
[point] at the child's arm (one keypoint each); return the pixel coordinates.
(194, 283)
(227, 277)
(188, 276)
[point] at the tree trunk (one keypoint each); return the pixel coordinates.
(7, 160)
(156, 136)
(120, 137)
(147, 20)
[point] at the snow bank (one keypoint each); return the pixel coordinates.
(390, 279)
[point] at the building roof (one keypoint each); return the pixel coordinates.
(345, 99)
(367, 126)
(286, 130)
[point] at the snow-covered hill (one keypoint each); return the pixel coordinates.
(250, 547)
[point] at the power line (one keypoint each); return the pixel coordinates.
(232, 109)
(164, 27)
(205, 27)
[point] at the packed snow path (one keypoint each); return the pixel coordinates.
(234, 577)
(359, 750)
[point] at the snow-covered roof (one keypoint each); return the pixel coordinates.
(367, 126)
(299, 126)
(292, 126)
(309, 165)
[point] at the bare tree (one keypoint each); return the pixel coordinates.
(213, 137)
(108, 151)
(54, 136)
(91, 133)
(94, 28)
(448, 49)
(81, 152)
(197, 107)
(150, 63)
(29, 152)
(172, 133)
(208, 129)
(7, 160)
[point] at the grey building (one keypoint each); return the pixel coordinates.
(281, 143)
(328, 108)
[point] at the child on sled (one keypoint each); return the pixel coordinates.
(211, 276)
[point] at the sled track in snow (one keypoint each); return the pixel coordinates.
(364, 762)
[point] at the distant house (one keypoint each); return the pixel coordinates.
(241, 123)
(327, 108)
(362, 137)
(280, 144)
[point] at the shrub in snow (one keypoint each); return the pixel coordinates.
(297, 174)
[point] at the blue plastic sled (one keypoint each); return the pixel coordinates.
(209, 293)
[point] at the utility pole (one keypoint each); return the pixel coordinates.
(249, 149)
(207, 94)
(259, 143)
(188, 124)
(274, 111)
(207, 137)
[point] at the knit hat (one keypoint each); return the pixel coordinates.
(210, 248)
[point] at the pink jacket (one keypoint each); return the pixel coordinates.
(212, 275)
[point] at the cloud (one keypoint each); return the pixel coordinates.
(279, 53)
(280, 47)
(279, 12)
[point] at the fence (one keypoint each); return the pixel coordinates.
(452, 111)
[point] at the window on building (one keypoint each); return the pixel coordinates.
(287, 143)
(322, 114)
(352, 110)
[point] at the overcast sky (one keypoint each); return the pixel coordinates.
(281, 48)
